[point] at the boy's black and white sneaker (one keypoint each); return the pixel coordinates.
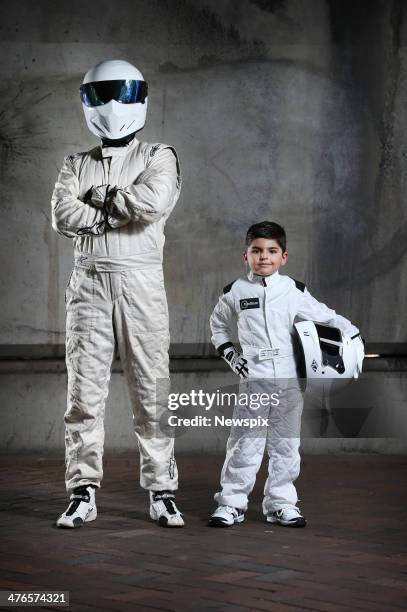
(82, 508)
(226, 516)
(164, 510)
(288, 516)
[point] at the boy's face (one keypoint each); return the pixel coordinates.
(265, 256)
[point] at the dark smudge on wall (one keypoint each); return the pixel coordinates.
(279, 109)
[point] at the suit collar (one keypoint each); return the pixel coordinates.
(265, 281)
(106, 151)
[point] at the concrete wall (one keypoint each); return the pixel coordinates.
(291, 110)
(368, 416)
(288, 110)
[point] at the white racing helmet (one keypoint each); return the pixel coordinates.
(329, 357)
(114, 99)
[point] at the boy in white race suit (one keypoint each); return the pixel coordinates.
(265, 304)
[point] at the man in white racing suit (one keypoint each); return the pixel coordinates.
(265, 305)
(113, 201)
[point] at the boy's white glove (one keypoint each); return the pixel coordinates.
(234, 359)
(359, 344)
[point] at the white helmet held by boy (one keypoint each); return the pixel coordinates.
(329, 354)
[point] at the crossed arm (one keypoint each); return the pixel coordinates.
(146, 200)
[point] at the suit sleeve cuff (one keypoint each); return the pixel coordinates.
(221, 349)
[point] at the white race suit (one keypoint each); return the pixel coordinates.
(116, 296)
(265, 309)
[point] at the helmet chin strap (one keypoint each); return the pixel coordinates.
(119, 142)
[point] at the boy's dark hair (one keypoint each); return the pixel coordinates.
(267, 229)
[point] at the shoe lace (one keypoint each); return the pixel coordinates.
(231, 510)
(168, 500)
(170, 506)
(290, 510)
(79, 495)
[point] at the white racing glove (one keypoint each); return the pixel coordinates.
(101, 197)
(96, 196)
(235, 360)
(359, 344)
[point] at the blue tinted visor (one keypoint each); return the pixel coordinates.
(123, 91)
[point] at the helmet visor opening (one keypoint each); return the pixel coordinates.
(328, 333)
(330, 349)
(125, 91)
(331, 356)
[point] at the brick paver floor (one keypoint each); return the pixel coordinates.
(351, 556)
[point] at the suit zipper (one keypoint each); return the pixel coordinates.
(263, 282)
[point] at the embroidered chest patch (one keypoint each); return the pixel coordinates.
(247, 303)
